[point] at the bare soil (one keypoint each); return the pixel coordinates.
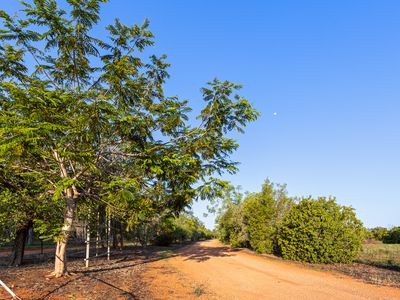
(211, 270)
(204, 270)
(119, 278)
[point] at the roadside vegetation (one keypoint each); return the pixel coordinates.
(314, 230)
(317, 232)
(303, 229)
(382, 248)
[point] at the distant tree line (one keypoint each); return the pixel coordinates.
(315, 230)
(181, 229)
(387, 236)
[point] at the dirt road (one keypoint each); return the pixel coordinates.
(210, 270)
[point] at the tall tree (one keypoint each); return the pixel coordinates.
(89, 116)
(263, 213)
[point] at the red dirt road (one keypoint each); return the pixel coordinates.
(210, 270)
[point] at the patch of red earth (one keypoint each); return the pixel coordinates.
(166, 282)
(227, 274)
(119, 278)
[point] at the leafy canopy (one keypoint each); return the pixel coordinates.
(87, 116)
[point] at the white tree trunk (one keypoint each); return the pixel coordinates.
(97, 233)
(71, 194)
(87, 245)
(60, 266)
(108, 237)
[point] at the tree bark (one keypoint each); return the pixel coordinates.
(114, 234)
(18, 250)
(60, 265)
(121, 232)
(31, 237)
(71, 194)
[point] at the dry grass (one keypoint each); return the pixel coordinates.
(377, 264)
(382, 255)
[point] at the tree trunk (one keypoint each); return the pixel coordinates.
(97, 232)
(121, 232)
(30, 237)
(18, 250)
(60, 265)
(114, 234)
(108, 237)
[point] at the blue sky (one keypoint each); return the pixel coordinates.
(329, 69)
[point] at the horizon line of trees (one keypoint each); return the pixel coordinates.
(385, 235)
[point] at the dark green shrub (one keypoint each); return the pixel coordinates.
(393, 236)
(259, 212)
(181, 235)
(164, 239)
(320, 231)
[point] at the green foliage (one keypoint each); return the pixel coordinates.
(146, 231)
(377, 233)
(188, 227)
(316, 231)
(23, 200)
(231, 223)
(255, 220)
(88, 120)
(320, 231)
(393, 236)
(164, 239)
(180, 229)
(232, 227)
(263, 214)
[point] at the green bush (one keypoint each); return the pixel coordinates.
(377, 233)
(253, 222)
(393, 236)
(263, 215)
(164, 239)
(320, 231)
(259, 212)
(232, 228)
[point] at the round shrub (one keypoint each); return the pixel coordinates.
(393, 236)
(320, 231)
